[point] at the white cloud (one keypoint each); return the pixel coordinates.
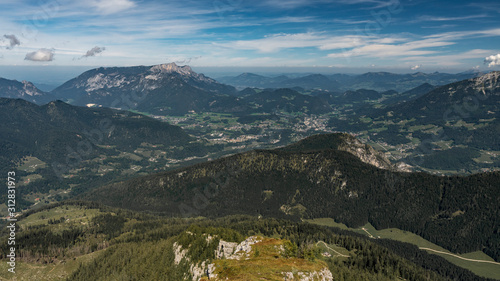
(288, 4)
(343, 43)
(441, 26)
(352, 21)
(294, 4)
(493, 60)
(277, 42)
(41, 55)
(378, 50)
(434, 18)
(288, 19)
(231, 61)
(112, 6)
(415, 67)
(377, 3)
(455, 35)
(372, 46)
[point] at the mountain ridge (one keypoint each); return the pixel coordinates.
(378, 81)
(130, 87)
(24, 90)
(343, 142)
(452, 101)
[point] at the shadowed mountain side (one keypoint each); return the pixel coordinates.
(47, 131)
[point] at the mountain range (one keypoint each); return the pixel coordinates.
(174, 90)
(444, 112)
(313, 179)
(311, 81)
(169, 89)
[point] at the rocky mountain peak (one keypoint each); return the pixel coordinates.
(30, 89)
(109, 87)
(172, 67)
(490, 80)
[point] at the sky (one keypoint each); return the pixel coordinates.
(340, 35)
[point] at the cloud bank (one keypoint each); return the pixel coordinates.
(41, 55)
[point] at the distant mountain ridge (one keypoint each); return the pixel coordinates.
(286, 100)
(311, 81)
(252, 80)
(383, 81)
(378, 81)
(411, 94)
(23, 90)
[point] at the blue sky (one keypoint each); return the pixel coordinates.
(344, 35)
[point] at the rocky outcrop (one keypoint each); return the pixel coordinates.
(235, 251)
(200, 270)
(247, 253)
(196, 270)
(225, 249)
(179, 253)
(488, 81)
(365, 153)
(323, 275)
